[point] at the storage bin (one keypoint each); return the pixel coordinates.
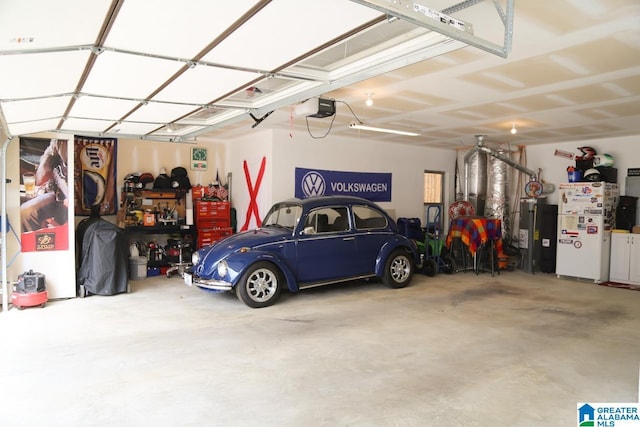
(153, 271)
(137, 268)
(575, 176)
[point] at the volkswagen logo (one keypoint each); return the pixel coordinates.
(313, 184)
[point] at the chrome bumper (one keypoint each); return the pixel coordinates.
(215, 285)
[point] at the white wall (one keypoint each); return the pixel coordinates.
(142, 156)
(625, 151)
(285, 153)
(149, 156)
(252, 148)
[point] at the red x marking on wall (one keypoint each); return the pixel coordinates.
(253, 194)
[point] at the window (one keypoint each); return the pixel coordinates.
(325, 220)
(341, 221)
(283, 215)
(367, 218)
(433, 182)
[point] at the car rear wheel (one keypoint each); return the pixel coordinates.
(398, 270)
(260, 285)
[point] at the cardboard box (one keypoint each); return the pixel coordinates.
(636, 229)
(149, 219)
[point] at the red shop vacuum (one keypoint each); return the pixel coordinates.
(29, 291)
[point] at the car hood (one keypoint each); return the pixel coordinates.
(246, 239)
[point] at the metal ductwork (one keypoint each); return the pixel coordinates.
(497, 200)
(483, 148)
(486, 182)
(475, 179)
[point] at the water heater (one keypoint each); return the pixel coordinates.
(529, 240)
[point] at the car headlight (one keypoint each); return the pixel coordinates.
(222, 268)
(195, 257)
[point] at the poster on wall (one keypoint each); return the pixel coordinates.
(95, 175)
(44, 194)
(368, 185)
(198, 159)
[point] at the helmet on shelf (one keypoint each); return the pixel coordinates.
(603, 160)
(587, 153)
(132, 180)
(592, 175)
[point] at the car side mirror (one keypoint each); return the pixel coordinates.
(309, 230)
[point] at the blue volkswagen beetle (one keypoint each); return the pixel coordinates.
(304, 243)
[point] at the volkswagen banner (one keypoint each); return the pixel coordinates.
(317, 182)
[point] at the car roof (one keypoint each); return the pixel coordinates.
(316, 201)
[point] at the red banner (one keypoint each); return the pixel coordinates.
(44, 194)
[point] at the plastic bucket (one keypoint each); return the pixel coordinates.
(137, 268)
(575, 176)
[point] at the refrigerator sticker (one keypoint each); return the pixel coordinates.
(576, 204)
(577, 244)
(569, 222)
(565, 241)
(592, 229)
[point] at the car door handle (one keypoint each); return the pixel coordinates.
(349, 238)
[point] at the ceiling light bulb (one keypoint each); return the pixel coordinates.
(513, 129)
(369, 101)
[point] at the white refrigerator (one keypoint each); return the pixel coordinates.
(586, 213)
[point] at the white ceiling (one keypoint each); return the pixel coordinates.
(132, 67)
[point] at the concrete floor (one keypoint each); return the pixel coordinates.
(461, 350)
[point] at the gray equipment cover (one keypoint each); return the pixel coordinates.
(103, 261)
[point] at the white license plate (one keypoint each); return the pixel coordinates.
(188, 279)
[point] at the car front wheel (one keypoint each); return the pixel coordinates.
(260, 285)
(398, 270)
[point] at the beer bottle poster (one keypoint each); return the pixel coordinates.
(95, 175)
(44, 194)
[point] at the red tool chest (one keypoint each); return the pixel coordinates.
(213, 221)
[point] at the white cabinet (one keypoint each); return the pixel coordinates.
(625, 258)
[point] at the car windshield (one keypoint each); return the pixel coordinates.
(284, 215)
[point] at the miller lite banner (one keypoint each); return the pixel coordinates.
(95, 175)
(317, 182)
